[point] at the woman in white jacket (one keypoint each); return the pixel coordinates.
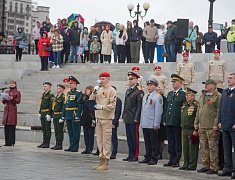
(121, 39)
(160, 43)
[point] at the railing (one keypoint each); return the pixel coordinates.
(10, 49)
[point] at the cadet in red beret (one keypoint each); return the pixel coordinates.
(104, 74)
(136, 69)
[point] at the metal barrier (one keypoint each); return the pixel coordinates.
(6, 49)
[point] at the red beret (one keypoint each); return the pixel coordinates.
(104, 74)
(157, 67)
(135, 68)
(216, 51)
(66, 80)
(135, 21)
(185, 54)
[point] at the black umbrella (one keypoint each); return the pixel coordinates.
(104, 23)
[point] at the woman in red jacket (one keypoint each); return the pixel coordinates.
(44, 42)
(10, 113)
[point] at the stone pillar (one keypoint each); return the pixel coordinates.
(223, 46)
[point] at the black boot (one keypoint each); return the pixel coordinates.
(59, 146)
(55, 145)
(47, 143)
(44, 141)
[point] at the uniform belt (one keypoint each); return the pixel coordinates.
(71, 109)
(45, 110)
(57, 113)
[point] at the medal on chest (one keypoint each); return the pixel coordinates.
(151, 102)
(105, 94)
(231, 95)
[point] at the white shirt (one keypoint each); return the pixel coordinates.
(161, 36)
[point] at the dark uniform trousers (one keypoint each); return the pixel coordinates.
(89, 137)
(190, 151)
(114, 141)
(151, 144)
(174, 143)
(132, 134)
(46, 126)
(59, 128)
(74, 129)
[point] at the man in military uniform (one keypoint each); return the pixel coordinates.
(161, 79)
(131, 116)
(57, 108)
(105, 97)
(72, 113)
(172, 120)
(217, 70)
(190, 140)
(67, 89)
(206, 122)
(186, 70)
(151, 116)
(45, 114)
(136, 70)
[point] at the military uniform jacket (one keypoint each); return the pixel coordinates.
(106, 97)
(217, 72)
(57, 106)
(188, 114)
(72, 109)
(133, 104)
(186, 70)
(227, 110)
(46, 103)
(174, 102)
(207, 112)
(151, 112)
(162, 82)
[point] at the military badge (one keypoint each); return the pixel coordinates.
(105, 94)
(132, 95)
(151, 102)
(177, 94)
(231, 95)
(208, 102)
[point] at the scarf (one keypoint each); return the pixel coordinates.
(120, 34)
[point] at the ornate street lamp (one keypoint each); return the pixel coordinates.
(137, 13)
(210, 21)
(3, 18)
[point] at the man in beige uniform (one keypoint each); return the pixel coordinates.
(161, 79)
(186, 70)
(217, 70)
(105, 97)
(136, 70)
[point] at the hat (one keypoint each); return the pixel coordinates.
(185, 54)
(104, 74)
(157, 67)
(133, 75)
(47, 83)
(135, 68)
(209, 81)
(95, 37)
(176, 77)
(169, 22)
(61, 85)
(152, 21)
(73, 80)
(233, 20)
(216, 51)
(66, 80)
(210, 26)
(65, 24)
(152, 81)
(135, 21)
(189, 91)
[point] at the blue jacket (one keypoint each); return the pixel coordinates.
(68, 36)
(227, 111)
(118, 112)
(210, 37)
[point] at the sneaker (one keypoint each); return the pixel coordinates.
(58, 67)
(54, 66)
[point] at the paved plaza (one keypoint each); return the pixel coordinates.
(25, 161)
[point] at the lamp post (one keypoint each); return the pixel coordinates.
(137, 13)
(3, 18)
(210, 21)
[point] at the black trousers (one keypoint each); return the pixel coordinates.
(44, 63)
(9, 131)
(85, 56)
(65, 52)
(18, 53)
(107, 58)
(128, 53)
(36, 45)
(121, 53)
(151, 144)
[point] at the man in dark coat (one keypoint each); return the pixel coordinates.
(209, 39)
(170, 41)
(131, 116)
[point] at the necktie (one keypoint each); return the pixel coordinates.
(147, 97)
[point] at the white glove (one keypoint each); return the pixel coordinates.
(51, 119)
(48, 117)
(61, 120)
(39, 117)
(98, 107)
(96, 88)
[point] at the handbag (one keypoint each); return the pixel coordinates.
(80, 51)
(22, 45)
(49, 48)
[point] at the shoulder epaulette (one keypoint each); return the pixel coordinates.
(51, 93)
(78, 90)
(139, 88)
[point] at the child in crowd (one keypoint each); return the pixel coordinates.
(95, 48)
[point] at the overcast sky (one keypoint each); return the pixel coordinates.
(160, 10)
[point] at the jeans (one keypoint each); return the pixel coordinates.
(160, 51)
(57, 57)
(231, 47)
(150, 49)
(51, 57)
(171, 52)
(95, 57)
(115, 52)
(74, 55)
(114, 141)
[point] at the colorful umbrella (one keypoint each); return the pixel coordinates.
(72, 17)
